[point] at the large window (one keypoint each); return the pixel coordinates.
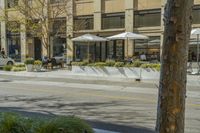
(59, 46)
(196, 15)
(56, 1)
(115, 50)
(112, 21)
(13, 40)
(151, 47)
(193, 49)
(59, 36)
(147, 18)
(83, 23)
(59, 26)
(12, 3)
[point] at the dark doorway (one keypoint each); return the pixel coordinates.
(37, 48)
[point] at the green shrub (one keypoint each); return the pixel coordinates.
(17, 69)
(7, 68)
(79, 63)
(145, 65)
(13, 123)
(136, 63)
(119, 64)
(157, 66)
(110, 63)
(100, 64)
(91, 64)
(65, 125)
(19, 65)
(29, 61)
(37, 62)
(153, 66)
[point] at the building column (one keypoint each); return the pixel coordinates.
(23, 40)
(51, 43)
(97, 15)
(3, 36)
(3, 26)
(162, 24)
(69, 31)
(129, 26)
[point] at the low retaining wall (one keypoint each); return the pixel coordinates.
(117, 72)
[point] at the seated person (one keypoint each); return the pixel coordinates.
(143, 57)
(154, 56)
(45, 60)
(128, 60)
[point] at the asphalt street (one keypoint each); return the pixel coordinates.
(126, 107)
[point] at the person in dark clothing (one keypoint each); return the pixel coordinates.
(190, 61)
(190, 56)
(3, 52)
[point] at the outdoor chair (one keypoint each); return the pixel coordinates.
(55, 64)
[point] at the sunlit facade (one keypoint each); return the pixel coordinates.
(103, 18)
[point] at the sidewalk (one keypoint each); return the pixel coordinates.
(193, 80)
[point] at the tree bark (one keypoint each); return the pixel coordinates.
(172, 86)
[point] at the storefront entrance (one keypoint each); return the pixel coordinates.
(14, 47)
(115, 50)
(37, 48)
(100, 51)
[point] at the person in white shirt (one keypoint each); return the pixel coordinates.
(143, 57)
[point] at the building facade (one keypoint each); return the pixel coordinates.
(100, 17)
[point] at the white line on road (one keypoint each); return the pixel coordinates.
(103, 131)
(91, 86)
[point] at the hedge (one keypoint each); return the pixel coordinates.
(110, 63)
(14, 123)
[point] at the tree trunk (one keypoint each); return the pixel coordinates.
(172, 87)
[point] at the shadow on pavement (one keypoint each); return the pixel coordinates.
(94, 124)
(119, 128)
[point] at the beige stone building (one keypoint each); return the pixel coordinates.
(99, 17)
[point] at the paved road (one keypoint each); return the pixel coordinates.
(118, 106)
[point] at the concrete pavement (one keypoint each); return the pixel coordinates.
(193, 80)
(121, 106)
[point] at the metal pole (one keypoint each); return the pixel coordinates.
(198, 53)
(127, 48)
(88, 52)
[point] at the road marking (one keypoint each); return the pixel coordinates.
(103, 131)
(91, 87)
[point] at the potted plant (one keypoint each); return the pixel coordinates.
(29, 64)
(38, 65)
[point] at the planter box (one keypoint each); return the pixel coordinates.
(29, 68)
(78, 70)
(114, 72)
(94, 71)
(149, 73)
(38, 67)
(118, 72)
(132, 72)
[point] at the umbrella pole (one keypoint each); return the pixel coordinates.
(198, 52)
(88, 52)
(127, 48)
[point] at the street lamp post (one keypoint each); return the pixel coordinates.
(198, 53)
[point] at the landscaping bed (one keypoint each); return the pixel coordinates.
(135, 70)
(15, 68)
(14, 123)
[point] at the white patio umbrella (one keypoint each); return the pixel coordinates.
(89, 38)
(193, 43)
(127, 36)
(197, 33)
(154, 42)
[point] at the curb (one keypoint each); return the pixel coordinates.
(103, 131)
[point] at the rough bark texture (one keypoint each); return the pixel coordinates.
(172, 87)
